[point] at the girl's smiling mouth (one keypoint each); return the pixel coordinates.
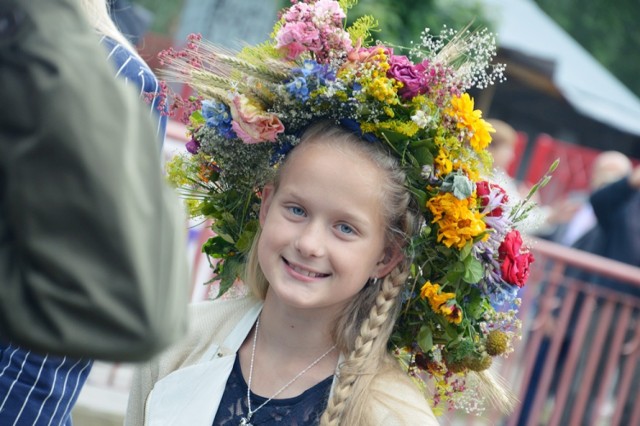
(302, 271)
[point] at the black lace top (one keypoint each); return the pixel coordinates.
(304, 409)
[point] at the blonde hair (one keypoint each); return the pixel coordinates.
(96, 12)
(363, 329)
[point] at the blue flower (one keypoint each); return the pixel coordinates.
(312, 69)
(218, 116)
(298, 88)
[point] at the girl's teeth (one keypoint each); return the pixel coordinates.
(305, 272)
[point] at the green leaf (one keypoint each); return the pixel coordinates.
(394, 137)
(473, 270)
(421, 196)
(230, 270)
(466, 251)
(246, 238)
(197, 118)
(474, 307)
(217, 247)
(456, 272)
(425, 338)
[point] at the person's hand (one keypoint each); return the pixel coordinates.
(634, 178)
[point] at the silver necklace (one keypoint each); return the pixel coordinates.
(246, 421)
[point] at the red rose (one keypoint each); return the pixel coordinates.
(515, 262)
(484, 189)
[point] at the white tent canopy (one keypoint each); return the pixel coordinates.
(589, 87)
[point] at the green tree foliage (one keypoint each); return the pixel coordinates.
(166, 14)
(401, 22)
(608, 30)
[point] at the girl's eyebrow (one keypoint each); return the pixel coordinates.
(358, 220)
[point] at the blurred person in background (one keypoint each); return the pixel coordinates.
(616, 233)
(92, 256)
(123, 55)
(543, 219)
(608, 167)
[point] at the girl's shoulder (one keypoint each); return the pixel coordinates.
(209, 323)
(398, 401)
(219, 312)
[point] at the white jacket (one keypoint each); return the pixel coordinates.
(184, 385)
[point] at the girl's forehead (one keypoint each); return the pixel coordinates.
(334, 173)
(329, 156)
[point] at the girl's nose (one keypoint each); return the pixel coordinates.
(311, 240)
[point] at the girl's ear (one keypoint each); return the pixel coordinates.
(392, 256)
(267, 197)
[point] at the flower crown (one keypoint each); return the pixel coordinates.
(249, 111)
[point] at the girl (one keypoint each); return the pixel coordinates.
(344, 186)
(325, 274)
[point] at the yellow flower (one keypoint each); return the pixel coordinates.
(389, 111)
(407, 128)
(467, 118)
(443, 164)
(441, 303)
(458, 224)
(382, 89)
(452, 312)
(432, 293)
(497, 342)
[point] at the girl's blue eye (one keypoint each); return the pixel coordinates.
(296, 211)
(345, 229)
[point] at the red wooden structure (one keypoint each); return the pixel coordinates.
(579, 360)
(572, 176)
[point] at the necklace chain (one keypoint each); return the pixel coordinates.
(246, 420)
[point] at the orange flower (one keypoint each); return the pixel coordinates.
(457, 222)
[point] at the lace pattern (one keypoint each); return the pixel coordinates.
(304, 409)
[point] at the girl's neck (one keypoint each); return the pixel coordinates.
(291, 329)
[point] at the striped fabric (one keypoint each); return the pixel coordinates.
(38, 389)
(133, 70)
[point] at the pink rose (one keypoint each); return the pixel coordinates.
(297, 38)
(515, 262)
(252, 124)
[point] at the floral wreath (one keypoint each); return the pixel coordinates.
(459, 305)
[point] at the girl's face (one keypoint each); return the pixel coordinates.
(323, 233)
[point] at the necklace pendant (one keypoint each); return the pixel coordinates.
(245, 422)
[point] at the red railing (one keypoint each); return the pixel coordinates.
(578, 361)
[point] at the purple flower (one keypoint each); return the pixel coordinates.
(193, 146)
(412, 76)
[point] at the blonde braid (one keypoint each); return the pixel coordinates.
(378, 325)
